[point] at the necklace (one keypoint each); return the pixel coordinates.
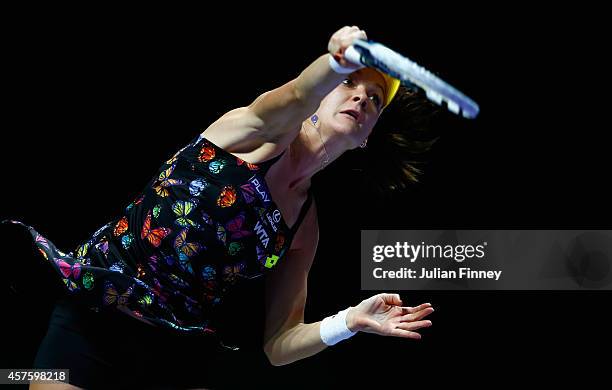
(314, 119)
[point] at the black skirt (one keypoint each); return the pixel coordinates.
(103, 349)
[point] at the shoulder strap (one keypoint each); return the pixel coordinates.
(303, 211)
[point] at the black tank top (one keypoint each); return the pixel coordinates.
(203, 223)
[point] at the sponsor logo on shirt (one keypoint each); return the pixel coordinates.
(274, 218)
(268, 223)
(276, 215)
(261, 233)
(261, 189)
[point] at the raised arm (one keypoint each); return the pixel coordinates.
(287, 106)
(280, 112)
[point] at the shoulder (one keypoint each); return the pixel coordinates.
(240, 133)
(236, 130)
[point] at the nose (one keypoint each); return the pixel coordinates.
(360, 96)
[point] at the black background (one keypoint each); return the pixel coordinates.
(96, 99)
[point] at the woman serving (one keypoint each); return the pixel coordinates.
(236, 204)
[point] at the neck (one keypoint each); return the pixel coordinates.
(309, 153)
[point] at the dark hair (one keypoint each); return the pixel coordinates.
(398, 146)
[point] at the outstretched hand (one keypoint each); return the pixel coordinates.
(383, 314)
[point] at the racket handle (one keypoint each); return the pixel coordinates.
(361, 56)
(353, 56)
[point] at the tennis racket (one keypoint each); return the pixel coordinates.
(410, 74)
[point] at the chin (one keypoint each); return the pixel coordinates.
(346, 127)
(348, 133)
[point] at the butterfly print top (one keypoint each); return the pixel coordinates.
(204, 222)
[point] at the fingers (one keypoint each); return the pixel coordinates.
(354, 30)
(418, 315)
(343, 38)
(405, 333)
(412, 326)
(407, 329)
(416, 309)
(358, 33)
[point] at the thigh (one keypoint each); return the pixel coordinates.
(110, 349)
(73, 342)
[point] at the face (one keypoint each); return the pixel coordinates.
(352, 109)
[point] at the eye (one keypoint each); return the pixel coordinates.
(377, 100)
(347, 82)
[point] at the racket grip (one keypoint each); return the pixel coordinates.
(353, 56)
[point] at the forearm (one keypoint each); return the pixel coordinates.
(298, 342)
(315, 82)
(285, 108)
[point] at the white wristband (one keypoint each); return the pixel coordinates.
(336, 67)
(333, 329)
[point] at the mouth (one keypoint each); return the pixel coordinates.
(352, 113)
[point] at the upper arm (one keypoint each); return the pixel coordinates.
(270, 117)
(279, 111)
(286, 287)
(278, 114)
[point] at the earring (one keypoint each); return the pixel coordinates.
(364, 143)
(314, 119)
